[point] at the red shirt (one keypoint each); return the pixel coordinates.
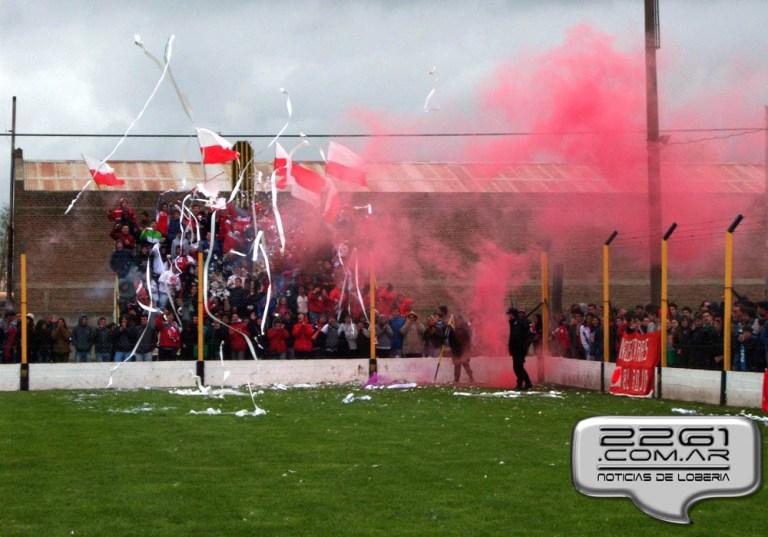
(277, 337)
(316, 303)
(302, 337)
(385, 301)
(562, 338)
(170, 334)
(237, 340)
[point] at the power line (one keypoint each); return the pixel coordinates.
(734, 132)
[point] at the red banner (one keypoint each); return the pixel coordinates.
(638, 357)
(765, 391)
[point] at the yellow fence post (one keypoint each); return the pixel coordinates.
(728, 293)
(24, 380)
(607, 299)
(665, 294)
(545, 303)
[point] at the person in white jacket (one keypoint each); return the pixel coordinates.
(349, 331)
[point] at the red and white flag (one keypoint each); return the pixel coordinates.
(345, 165)
(305, 195)
(215, 149)
(307, 178)
(280, 167)
(332, 203)
(103, 175)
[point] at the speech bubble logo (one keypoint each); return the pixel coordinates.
(666, 464)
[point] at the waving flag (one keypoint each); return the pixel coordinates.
(215, 149)
(103, 175)
(345, 165)
(305, 195)
(307, 178)
(281, 161)
(332, 203)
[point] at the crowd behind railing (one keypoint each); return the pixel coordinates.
(289, 312)
(695, 338)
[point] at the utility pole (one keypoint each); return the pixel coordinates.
(652, 42)
(9, 231)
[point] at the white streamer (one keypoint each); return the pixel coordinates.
(435, 107)
(168, 47)
(357, 287)
(206, 290)
(182, 97)
(290, 114)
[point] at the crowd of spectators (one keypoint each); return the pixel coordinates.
(695, 338)
(300, 312)
(293, 312)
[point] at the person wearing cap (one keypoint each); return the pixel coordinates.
(413, 336)
(519, 340)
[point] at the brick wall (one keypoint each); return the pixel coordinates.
(68, 255)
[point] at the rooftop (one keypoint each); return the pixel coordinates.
(415, 177)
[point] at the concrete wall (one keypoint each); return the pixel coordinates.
(9, 377)
(744, 389)
(697, 385)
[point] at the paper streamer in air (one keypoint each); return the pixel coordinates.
(206, 289)
(290, 114)
(357, 287)
(180, 94)
(168, 48)
(433, 91)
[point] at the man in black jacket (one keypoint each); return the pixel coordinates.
(519, 340)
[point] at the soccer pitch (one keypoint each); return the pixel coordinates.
(420, 461)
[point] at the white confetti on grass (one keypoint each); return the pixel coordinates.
(208, 392)
(397, 386)
(350, 398)
(240, 413)
(684, 411)
(511, 394)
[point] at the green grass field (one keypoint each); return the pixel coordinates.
(407, 462)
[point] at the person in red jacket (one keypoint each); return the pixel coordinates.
(385, 299)
(302, 337)
(317, 304)
(238, 331)
(405, 304)
(562, 338)
(169, 340)
(277, 336)
(122, 232)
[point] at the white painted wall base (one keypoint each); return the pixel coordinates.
(10, 377)
(744, 389)
(696, 385)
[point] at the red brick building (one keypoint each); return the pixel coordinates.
(434, 222)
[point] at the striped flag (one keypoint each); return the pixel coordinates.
(103, 175)
(215, 149)
(345, 165)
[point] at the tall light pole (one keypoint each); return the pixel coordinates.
(652, 42)
(9, 232)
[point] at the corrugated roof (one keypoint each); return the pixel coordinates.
(411, 177)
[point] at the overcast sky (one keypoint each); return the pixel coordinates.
(74, 68)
